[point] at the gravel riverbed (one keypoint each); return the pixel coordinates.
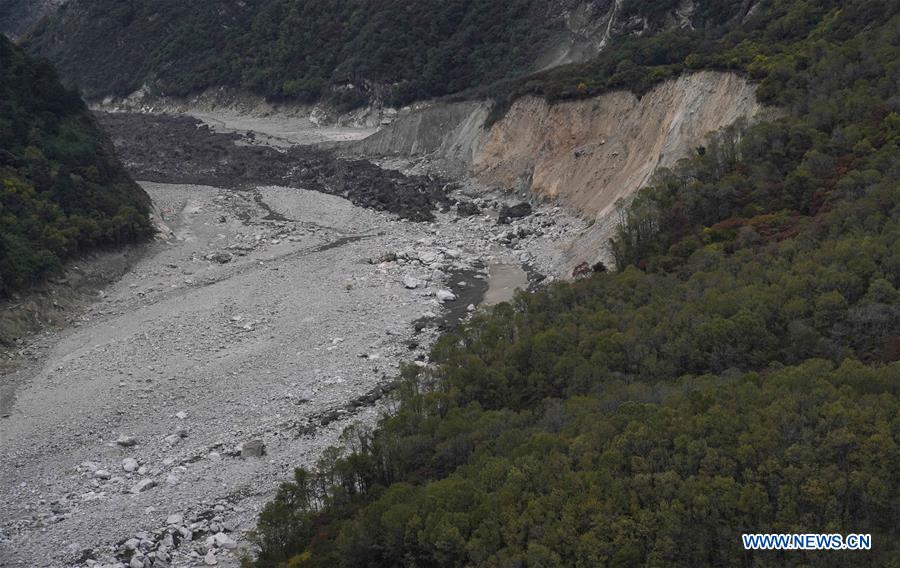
(153, 430)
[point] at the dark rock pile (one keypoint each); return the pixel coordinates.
(178, 149)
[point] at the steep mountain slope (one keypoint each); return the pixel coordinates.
(62, 190)
(594, 152)
(347, 51)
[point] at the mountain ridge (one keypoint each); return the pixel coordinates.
(348, 53)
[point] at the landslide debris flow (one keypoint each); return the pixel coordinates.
(180, 149)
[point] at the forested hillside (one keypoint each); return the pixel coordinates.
(738, 373)
(346, 51)
(18, 16)
(62, 191)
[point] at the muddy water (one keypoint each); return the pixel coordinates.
(503, 281)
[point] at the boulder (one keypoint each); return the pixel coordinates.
(130, 464)
(445, 296)
(126, 441)
(427, 257)
(222, 540)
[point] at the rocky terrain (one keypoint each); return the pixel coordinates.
(179, 149)
(263, 322)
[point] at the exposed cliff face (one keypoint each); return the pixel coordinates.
(588, 153)
(591, 153)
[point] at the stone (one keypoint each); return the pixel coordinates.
(143, 485)
(175, 519)
(136, 562)
(445, 296)
(132, 543)
(210, 559)
(517, 211)
(102, 474)
(467, 209)
(126, 441)
(427, 257)
(222, 540)
(181, 415)
(172, 480)
(253, 449)
(411, 283)
(130, 464)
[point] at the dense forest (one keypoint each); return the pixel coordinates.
(347, 52)
(302, 50)
(62, 191)
(739, 372)
(17, 15)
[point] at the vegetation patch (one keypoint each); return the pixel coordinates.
(62, 190)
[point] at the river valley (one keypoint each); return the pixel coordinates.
(261, 323)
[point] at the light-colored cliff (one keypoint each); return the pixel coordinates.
(590, 153)
(587, 154)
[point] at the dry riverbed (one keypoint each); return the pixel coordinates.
(237, 348)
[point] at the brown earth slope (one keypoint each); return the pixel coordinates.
(588, 153)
